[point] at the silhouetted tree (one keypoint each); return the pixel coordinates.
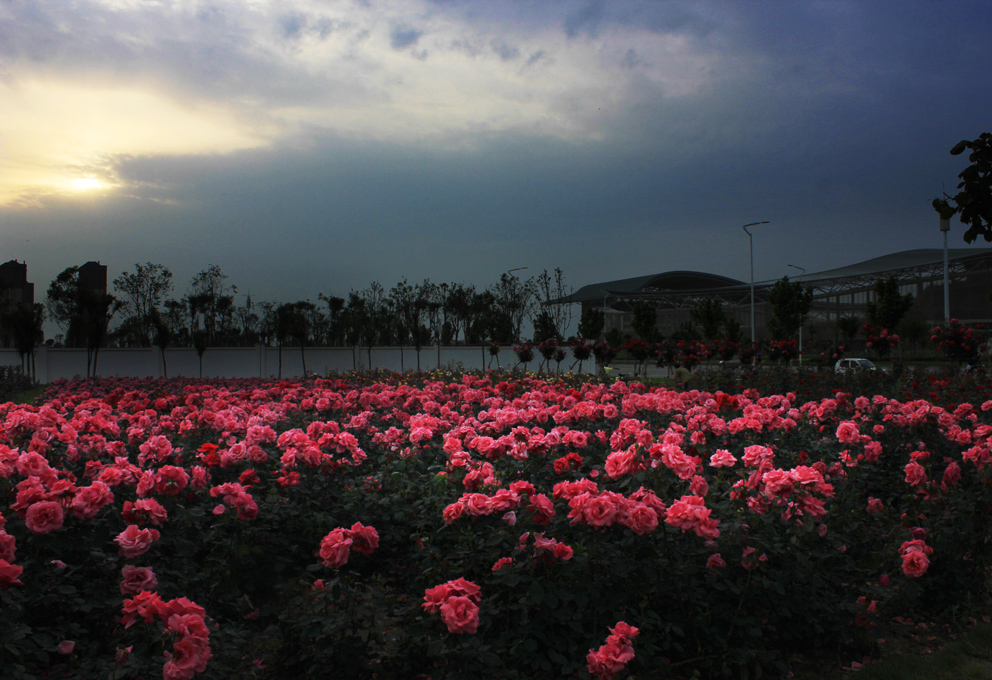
(790, 302)
(141, 293)
(708, 315)
(889, 306)
(973, 202)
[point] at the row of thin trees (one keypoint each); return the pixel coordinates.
(142, 311)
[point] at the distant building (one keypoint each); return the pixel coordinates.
(93, 277)
(837, 293)
(14, 286)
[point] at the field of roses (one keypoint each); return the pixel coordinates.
(477, 526)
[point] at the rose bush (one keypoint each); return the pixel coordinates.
(198, 528)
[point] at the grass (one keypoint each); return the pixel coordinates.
(913, 651)
(29, 396)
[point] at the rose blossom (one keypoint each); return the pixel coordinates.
(915, 474)
(915, 563)
(44, 516)
(134, 541)
(9, 573)
(89, 500)
(542, 508)
(722, 458)
(335, 548)
(365, 539)
(170, 480)
(145, 511)
(641, 519)
(460, 614)
(8, 546)
(137, 579)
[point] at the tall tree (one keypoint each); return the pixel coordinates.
(299, 321)
(790, 302)
(62, 304)
(458, 307)
(335, 309)
(211, 303)
(515, 300)
(141, 294)
(26, 324)
(889, 306)
(95, 313)
(548, 288)
(591, 323)
(644, 320)
(973, 202)
(708, 315)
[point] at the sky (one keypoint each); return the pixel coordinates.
(311, 146)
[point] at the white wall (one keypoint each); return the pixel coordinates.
(261, 362)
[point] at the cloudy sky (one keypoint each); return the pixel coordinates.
(313, 146)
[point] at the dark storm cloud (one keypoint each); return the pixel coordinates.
(402, 37)
(831, 120)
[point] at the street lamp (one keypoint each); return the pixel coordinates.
(800, 320)
(750, 243)
(945, 226)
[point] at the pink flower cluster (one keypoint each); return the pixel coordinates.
(184, 622)
(613, 656)
(915, 555)
(458, 602)
(336, 546)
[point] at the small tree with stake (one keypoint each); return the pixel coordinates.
(973, 202)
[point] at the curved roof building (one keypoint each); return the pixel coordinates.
(843, 291)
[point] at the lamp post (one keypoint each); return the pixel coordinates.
(800, 320)
(945, 226)
(750, 243)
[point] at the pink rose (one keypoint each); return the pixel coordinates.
(778, 483)
(170, 480)
(915, 474)
(9, 573)
(44, 516)
(145, 511)
(66, 647)
(137, 579)
(134, 541)
(722, 458)
(715, 561)
(90, 500)
(335, 549)
(365, 539)
(453, 512)
(848, 433)
(600, 511)
(460, 614)
(641, 519)
(542, 508)
(435, 597)
(8, 546)
(477, 504)
(915, 563)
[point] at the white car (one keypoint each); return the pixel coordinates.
(850, 365)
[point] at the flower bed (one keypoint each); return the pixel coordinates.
(399, 527)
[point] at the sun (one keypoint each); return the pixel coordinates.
(87, 184)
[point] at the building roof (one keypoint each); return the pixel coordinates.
(893, 262)
(692, 283)
(673, 281)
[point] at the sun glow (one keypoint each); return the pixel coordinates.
(50, 149)
(87, 184)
